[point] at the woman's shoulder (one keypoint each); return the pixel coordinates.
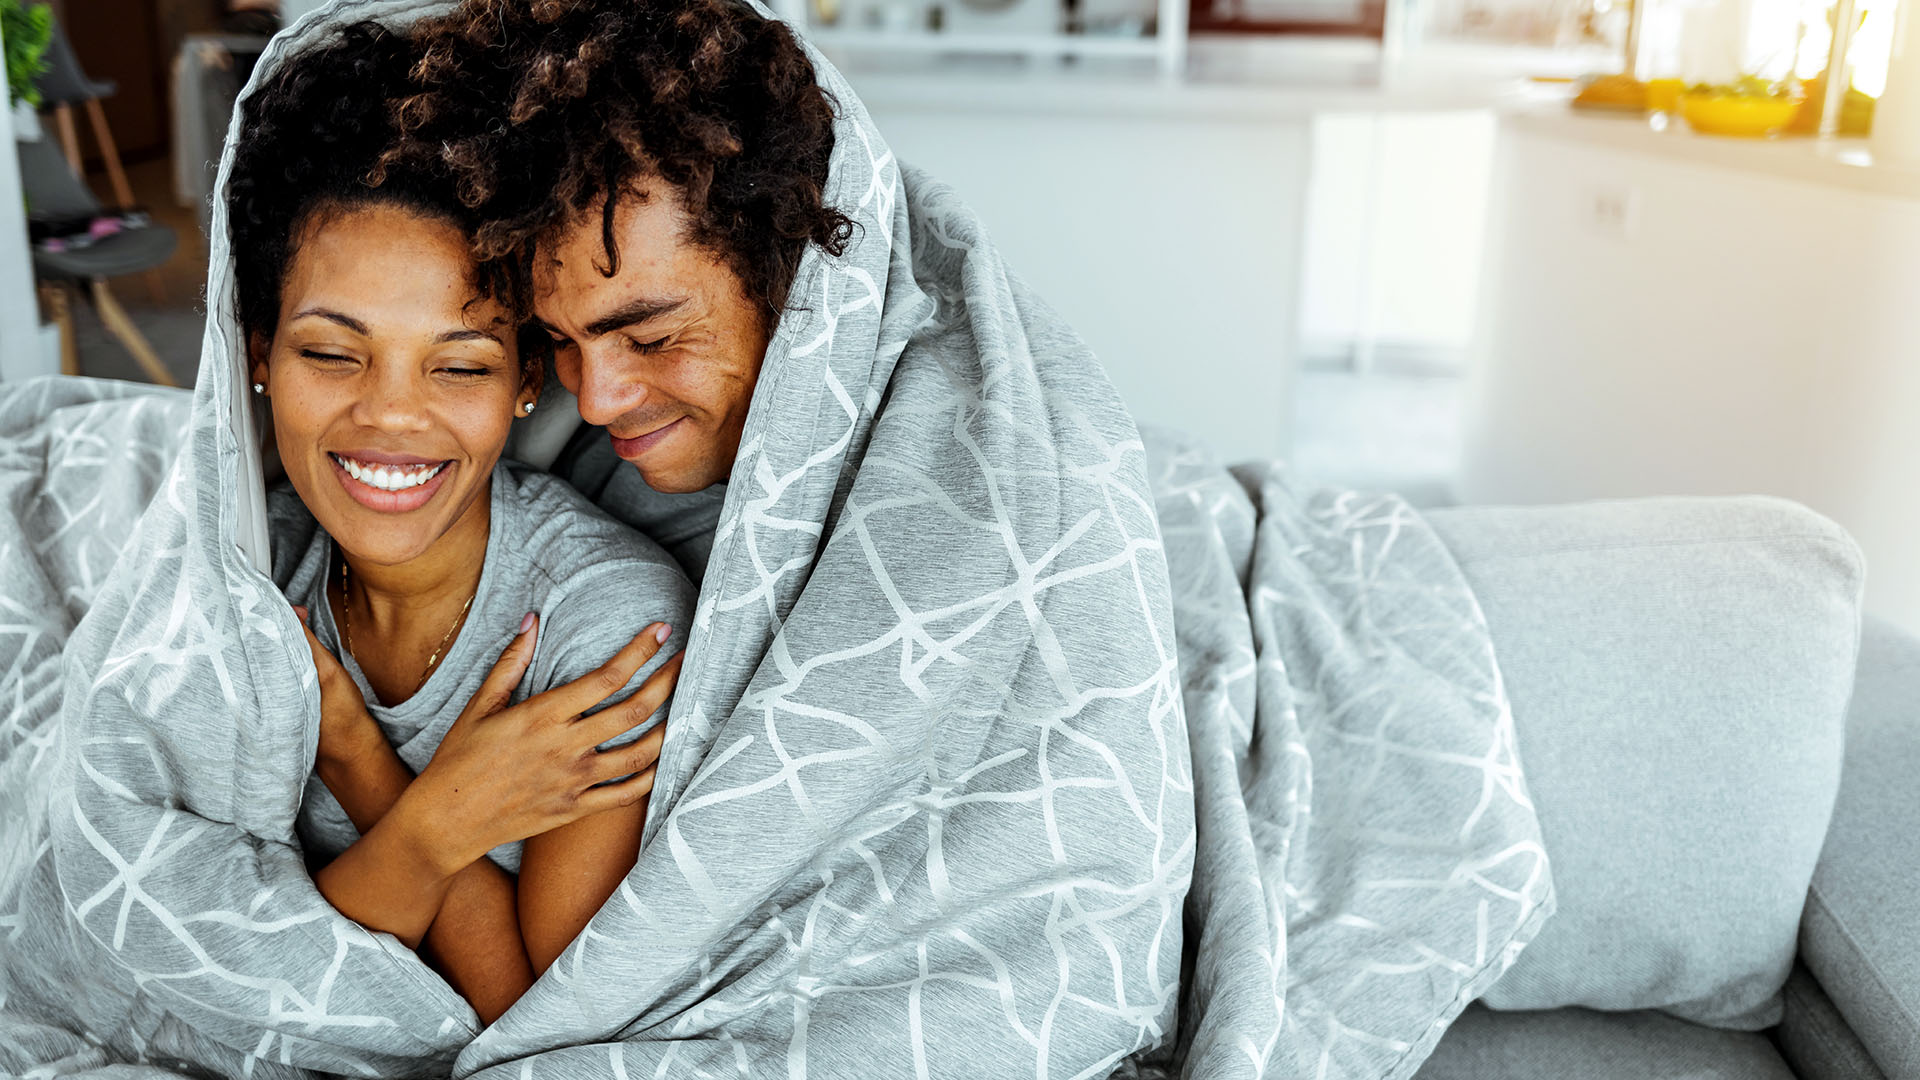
(569, 541)
(594, 581)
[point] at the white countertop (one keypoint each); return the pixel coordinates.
(1292, 79)
(1846, 162)
(1223, 80)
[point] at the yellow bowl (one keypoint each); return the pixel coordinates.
(1727, 114)
(1663, 95)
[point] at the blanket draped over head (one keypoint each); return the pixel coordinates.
(1008, 743)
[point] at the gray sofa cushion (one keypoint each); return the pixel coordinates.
(1815, 1039)
(1579, 1044)
(1861, 935)
(1679, 671)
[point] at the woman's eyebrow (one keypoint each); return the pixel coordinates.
(467, 334)
(330, 315)
(358, 327)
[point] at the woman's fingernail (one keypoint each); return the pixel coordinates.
(300, 612)
(526, 624)
(660, 635)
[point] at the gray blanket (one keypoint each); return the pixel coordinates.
(1008, 742)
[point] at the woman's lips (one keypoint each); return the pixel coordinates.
(390, 502)
(631, 449)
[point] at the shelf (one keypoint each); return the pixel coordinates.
(914, 41)
(1167, 48)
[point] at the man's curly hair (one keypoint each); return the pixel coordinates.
(548, 111)
(312, 144)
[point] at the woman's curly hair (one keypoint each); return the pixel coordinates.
(312, 144)
(547, 111)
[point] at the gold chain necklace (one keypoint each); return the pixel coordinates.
(346, 626)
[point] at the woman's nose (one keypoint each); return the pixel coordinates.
(394, 403)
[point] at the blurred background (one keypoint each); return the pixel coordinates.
(1470, 250)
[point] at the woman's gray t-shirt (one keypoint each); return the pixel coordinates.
(593, 582)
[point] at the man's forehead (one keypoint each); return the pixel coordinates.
(645, 223)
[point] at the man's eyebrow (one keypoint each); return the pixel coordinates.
(633, 314)
(330, 315)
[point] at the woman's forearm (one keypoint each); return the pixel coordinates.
(390, 879)
(473, 939)
(366, 776)
(566, 875)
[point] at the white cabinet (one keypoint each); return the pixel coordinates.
(1669, 314)
(1166, 230)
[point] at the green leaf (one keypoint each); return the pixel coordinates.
(26, 30)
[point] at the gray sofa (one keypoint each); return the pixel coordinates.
(1726, 762)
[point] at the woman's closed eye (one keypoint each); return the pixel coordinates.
(326, 357)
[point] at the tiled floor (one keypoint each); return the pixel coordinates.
(1399, 432)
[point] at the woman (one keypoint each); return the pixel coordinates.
(395, 367)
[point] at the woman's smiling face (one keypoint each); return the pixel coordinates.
(393, 386)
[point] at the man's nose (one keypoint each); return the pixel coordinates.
(611, 384)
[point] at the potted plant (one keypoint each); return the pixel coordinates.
(26, 29)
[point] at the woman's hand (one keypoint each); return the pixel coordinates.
(348, 732)
(503, 774)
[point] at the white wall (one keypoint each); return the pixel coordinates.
(1732, 333)
(1170, 242)
(20, 352)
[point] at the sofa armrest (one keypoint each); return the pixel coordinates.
(1860, 935)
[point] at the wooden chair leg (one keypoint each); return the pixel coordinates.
(69, 138)
(121, 189)
(60, 305)
(122, 328)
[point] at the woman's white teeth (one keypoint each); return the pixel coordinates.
(389, 477)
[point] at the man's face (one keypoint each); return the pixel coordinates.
(663, 354)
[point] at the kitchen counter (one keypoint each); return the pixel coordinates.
(1846, 162)
(1678, 314)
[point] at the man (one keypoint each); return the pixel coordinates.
(928, 800)
(661, 205)
(919, 808)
